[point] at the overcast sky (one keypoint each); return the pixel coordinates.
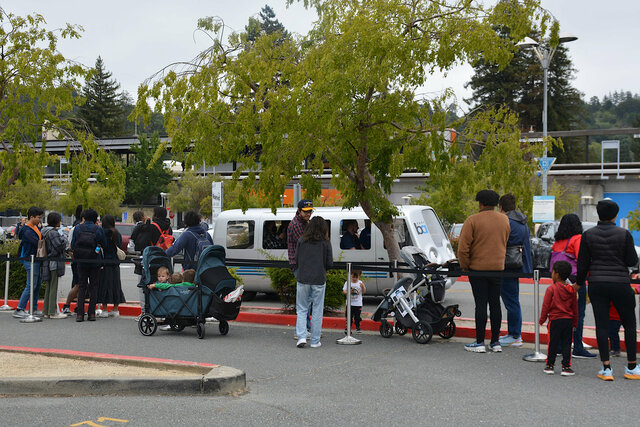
(137, 38)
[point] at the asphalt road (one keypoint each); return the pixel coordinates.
(381, 382)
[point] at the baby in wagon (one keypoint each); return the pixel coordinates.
(167, 280)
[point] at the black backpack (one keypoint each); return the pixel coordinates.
(86, 243)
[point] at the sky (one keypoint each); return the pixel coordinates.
(137, 38)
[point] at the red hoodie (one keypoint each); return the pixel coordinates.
(560, 302)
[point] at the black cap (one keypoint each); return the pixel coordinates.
(607, 209)
(305, 205)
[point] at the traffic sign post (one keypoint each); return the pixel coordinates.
(545, 165)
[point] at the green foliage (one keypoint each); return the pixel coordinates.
(345, 94)
(104, 108)
(22, 196)
(634, 219)
(567, 200)
(284, 283)
(17, 273)
(146, 178)
(267, 24)
(36, 90)
(235, 275)
(106, 192)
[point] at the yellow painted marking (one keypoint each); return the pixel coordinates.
(112, 419)
(89, 423)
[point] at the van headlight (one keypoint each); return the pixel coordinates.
(433, 255)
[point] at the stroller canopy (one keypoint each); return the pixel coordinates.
(212, 272)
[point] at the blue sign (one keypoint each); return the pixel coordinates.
(124, 216)
(546, 162)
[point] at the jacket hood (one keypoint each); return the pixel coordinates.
(564, 292)
(162, 222)
(517, 216)
(198, 229)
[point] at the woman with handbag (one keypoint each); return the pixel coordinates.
(566, 248)
(110, 289)
(54, 267)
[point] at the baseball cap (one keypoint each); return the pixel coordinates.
(305, 205)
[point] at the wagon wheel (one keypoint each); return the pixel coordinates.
(448, 331)
(147, 325)
(422, 332)
(224, 327)
(400, 329)
(200, 330)
(177, 326)
(385, 329)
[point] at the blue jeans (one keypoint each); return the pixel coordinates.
(37, 283)
(510, 292)
(305, 296)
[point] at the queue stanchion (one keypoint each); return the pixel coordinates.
(536, 356)
(31, 318)
(6, 307)
(348, 340)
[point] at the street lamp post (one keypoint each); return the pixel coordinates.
(545, 55)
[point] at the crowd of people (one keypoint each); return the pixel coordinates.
(594, 263)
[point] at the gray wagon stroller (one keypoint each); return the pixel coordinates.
(178, 306)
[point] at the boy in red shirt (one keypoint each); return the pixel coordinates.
(561, 307)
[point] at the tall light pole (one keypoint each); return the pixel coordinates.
(545, 55)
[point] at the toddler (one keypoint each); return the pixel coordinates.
(560, 306)
(357, 290)
(162, 276)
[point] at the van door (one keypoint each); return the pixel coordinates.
(386, 280)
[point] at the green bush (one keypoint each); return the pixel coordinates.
(17, 273)
(284, 283)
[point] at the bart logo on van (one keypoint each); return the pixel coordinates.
(421, 228)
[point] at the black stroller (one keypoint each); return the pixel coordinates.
(178, 306)
(416, 303)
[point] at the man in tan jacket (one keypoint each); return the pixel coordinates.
(482, 248)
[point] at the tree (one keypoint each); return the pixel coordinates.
(36, 89)
(634, 219)
(146, 179)
(349, 98)
(267, 24)
(34, 193)
(103, 111)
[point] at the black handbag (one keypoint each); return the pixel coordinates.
(513, 258)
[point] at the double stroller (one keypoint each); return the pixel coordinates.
(416, 303)
(182, 306)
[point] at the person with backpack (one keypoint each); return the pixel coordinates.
(73, 293)
(191, 242)
(53, 268)
(161, 234)
(29, 236)
(86, 243)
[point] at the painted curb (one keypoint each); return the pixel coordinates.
(199, 378)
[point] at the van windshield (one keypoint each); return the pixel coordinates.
(434, 226)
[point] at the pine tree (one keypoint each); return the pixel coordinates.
(267, 24)
(145, 180)
(104, 106)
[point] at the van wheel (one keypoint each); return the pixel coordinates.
(249, 296)
(385, 329)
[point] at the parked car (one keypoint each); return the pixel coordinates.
(454, 231)
(543, 241)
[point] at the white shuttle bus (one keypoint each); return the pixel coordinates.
(258, 232)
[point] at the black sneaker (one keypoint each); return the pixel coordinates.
(615, 353)
(567, 371)
(65, 309)
(548, 369)
(584, 354)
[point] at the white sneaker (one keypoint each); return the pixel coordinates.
(586, 346)
(315, 345)
(100, 313)
(114, 313)
(58, 316)
(165, 328)
(301, 343)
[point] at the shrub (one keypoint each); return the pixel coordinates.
(284, 282)
(17, 273)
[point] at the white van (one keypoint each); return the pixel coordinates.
(258, 232)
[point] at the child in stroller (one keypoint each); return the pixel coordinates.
(416, 302)
(177, 306)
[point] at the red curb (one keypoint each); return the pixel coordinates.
(543, 280)
(106, 356)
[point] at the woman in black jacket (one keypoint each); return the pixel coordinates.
(110, 289)
(606, 252)
(313, 258)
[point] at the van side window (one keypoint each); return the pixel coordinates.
(402, 233)
(274, 235)
(240, 234)
(349, 236)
